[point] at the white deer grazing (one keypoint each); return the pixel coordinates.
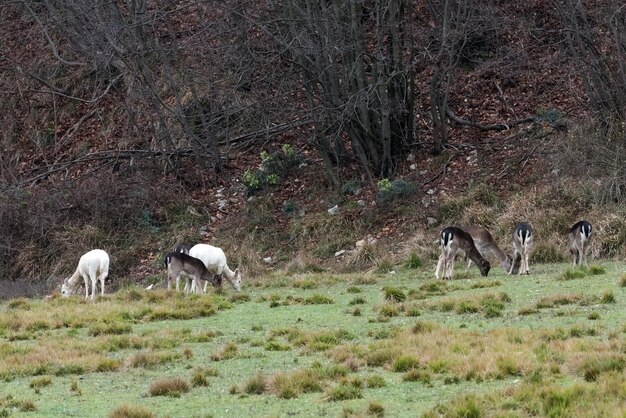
(180, 264)
(486, 245)
(579, 241)
(94, 266)
(522, 243)
(453, 241)
(215, 261)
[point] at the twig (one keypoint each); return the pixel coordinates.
(442, 174)
(494, 127)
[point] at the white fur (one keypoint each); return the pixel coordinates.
(93, 266)
(215, 261)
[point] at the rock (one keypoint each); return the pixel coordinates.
(340, 253)
(334, 210)
(431, 221)
(267, 260)
(413, 167)
(360, 202)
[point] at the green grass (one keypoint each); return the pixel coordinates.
(502, 345)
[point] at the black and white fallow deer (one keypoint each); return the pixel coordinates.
(453, 241)
(522, 243)
(579, 241)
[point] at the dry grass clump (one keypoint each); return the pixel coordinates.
(115, 328)
(173, 386)
(565, 299)
(40, 382)
(490, 304)
(256, 385)
(345, 391)
(131, 411)
(200, 376)
(10, 403)
(151, 359)
(318, 340)
(229, 351)
(290, 385)
(58, 357)
(543, 397)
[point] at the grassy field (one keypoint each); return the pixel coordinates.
(549, 344)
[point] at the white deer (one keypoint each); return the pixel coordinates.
(579, 241)
(453, 241)
(522, 243)
(215, 261)
(486, 245)
(94, 266)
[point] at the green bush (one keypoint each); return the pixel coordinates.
(273, 168)
(392, 190)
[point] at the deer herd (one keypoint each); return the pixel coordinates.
(473, 243)
(204, 264)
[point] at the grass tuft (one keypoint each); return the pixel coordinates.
(394, 294)
(376, 409)
(318, 299)
(173, 386)
(593, 367)
(131, 411)
(255, 385)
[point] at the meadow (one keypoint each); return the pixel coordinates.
(319, 344)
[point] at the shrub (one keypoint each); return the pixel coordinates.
(545, 253)
(273, 167)
(392, 190)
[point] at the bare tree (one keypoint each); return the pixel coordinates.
(600, 60)
(356, 64)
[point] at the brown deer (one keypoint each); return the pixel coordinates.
(486, 245)
(579, 241)
(453, 241)
(180, 264)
